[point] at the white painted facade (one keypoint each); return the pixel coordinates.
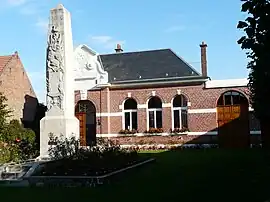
(88, 70)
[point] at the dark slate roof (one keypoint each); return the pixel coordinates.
(152, 64)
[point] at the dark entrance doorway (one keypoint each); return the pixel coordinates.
(233, 120)
(85, 111)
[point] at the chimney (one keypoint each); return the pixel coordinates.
(203, 59)
(16, 54)
(118, 48)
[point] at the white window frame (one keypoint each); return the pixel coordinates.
(180, 109)
(130, 118)
(155, 116)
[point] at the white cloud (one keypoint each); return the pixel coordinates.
(101, 39)
(175, 29)
(16, 2)
(42, 24)
(19, 2)
(29, 10)
(106, 41)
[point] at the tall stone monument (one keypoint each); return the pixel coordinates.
(59, 119)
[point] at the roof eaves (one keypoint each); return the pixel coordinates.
(190, 78)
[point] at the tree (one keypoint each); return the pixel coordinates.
(257, 43)
(5, 113)
(16, 142)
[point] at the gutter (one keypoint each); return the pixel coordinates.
(152, 82)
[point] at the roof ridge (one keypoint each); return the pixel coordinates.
(139, 51)
(183, 60)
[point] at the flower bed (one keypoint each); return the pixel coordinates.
(69, 159)
(165, 140)
(91, 163)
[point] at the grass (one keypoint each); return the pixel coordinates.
(191, 175)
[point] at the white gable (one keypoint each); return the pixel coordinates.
(88, 70)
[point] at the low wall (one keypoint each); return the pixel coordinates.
(174, 139)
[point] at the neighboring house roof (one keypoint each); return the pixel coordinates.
(4, 60)
(152, 64)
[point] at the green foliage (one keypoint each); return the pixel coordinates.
(16, 142)
(62, 147)
(257, 43)
(15, 131)
(5, 113)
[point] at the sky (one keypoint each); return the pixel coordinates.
(136, 25)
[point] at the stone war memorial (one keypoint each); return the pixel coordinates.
(59, 119)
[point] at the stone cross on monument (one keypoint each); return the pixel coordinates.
(59, 119)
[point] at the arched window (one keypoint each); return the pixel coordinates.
(154, 112)
(130, 113)
(179, 112)
(232, 98)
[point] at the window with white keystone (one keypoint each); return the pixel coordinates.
(154, 112)
(180, 112)
(130, 112)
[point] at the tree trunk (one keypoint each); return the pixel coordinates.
(265, 134)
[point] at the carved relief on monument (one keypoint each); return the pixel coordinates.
(55, 69)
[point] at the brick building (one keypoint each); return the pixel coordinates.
(16, 86)
(157, 92)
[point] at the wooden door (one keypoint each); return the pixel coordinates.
(82, 118)
(233, 126)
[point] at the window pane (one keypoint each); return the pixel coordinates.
(127, 120)
(220, 101)
(159, 119)
(176, 119)
(134, 121)
(151, 119)
(184, 119)
(227, 99)
(236, 99)
(184, 101)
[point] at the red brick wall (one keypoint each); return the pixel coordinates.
(16, 86)
(197, 95)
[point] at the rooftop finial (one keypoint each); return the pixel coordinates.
(118, 48)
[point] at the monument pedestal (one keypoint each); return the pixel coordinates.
(57, 125)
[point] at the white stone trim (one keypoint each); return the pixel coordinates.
(83, 94)
(129, 95)
(226, 83)
(166, 105)
(141, 106)
(201, 111)
(258, 132)
(144, 106)
(210, 110)
(203, 133)
(165, 134)
(109, 114)
(153, 93)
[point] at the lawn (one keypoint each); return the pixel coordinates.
(191, 175)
